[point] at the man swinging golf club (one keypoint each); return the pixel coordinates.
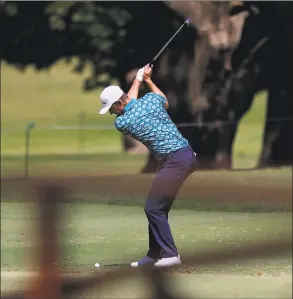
(147, 120)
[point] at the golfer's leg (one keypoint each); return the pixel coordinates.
(154, 246)
(165, 188)
(158, 204)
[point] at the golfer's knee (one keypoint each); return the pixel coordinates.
(148, 210)
(151, 210)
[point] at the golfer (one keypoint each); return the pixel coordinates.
(147, 120)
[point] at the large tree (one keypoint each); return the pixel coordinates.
(210, 72)
(240, 50)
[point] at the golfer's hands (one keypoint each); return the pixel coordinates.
(147, 73)
(139, 74)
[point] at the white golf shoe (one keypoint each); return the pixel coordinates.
(168, 261)
(144, 262)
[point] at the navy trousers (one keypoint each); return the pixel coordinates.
(172, 173)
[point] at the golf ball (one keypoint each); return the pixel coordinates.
(97, 265)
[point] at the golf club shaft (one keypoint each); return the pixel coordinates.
(168, 42)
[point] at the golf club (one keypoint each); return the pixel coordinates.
(187, 22)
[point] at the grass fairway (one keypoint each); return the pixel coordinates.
(113, 234)
(107, 225)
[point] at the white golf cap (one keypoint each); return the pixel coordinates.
(109, 96)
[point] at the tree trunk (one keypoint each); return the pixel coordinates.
(151, 165)
(230, 94)
(278, 136)
(277, 142)
(131, 145)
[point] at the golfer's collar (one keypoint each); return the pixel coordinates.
(129, 105)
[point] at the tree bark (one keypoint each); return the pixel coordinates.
(278, 135)
(277, 142)
(131, 145)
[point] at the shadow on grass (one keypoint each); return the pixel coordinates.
(111, 158)
(191, 204)
(200, 205)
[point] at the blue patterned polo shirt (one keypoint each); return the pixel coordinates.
(147, 120)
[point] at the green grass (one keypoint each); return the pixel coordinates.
(50, 98)
(113, 229)
(90, 234)
(73, 165)
(55, 98)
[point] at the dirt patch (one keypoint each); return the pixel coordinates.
(225, 187)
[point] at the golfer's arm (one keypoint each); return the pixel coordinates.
(133, 91)
(155, 89)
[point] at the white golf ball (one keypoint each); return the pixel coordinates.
(97, 265)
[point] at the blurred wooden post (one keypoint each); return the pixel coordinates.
(28, 129)
(47, 283)
(81, 139)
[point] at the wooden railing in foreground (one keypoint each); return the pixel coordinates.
(49, 283)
